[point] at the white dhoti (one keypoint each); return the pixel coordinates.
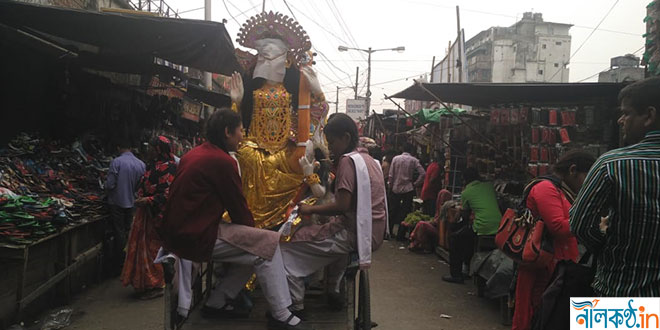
(303, 258)
(271, 275)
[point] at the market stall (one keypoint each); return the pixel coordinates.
(515, 132)
(76, 91)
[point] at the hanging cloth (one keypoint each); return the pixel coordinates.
(364, 215)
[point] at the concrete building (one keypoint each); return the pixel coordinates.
(531, 50)
(622, 68)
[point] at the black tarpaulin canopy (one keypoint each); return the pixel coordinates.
(199, 44)
(487, 94)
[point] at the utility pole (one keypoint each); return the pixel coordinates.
(208, 82)
(357, 71)
(368, 83)
(369, 51)
(337, 101)
(432, 68)
(459, 61)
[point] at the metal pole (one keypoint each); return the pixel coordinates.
(207, 16)
(337, 101)
(396, 133)
(459, 62)
(357, 71)
(368, 83)
(432, 68)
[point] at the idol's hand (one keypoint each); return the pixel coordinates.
(236, 88)
(309, 150)
(312, 79)
(306, 165)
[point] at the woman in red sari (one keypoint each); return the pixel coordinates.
(425, 235)
(143, 241)
(550, 199)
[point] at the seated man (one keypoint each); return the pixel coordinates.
(360, 211)
(206, 184)
(478, 197)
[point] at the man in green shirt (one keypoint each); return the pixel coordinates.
(479, 197)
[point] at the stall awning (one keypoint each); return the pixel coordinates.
(199, 44)
(202, 94)
(486, 94)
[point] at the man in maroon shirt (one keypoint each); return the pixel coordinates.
(206, 184)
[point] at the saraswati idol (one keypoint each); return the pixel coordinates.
(282, 105)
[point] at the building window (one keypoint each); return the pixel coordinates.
(558, 43)
(540, 72)
(543, 46)
(556, 65)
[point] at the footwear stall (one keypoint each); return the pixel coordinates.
(52, 219)
(74, 91)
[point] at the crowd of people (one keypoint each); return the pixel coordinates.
(179, 207)
(609, 205)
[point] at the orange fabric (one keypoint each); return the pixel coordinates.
(143, 244)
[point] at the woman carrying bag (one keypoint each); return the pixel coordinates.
(550, 200)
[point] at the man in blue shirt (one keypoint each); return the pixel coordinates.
(121, 184)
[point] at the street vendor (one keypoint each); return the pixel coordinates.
(282, 104)
(206, 184)
(359, 212)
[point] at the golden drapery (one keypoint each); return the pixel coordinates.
(270, 127)
(269, 184)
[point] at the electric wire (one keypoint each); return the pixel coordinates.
(585, 40)
(513, 16)
(228, 12)
(599, 72)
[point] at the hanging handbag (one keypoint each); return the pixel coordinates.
(569, 279)
(522, 236)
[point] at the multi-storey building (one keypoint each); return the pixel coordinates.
(531, 50)
(622, 68)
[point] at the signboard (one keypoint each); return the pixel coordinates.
(191, 110)
(156, 87)
(356, 109)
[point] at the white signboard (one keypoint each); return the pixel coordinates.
(356, 109)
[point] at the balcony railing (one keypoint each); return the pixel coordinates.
(159, 7)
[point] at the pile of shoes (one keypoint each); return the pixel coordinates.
(47, 185)
(24, 219)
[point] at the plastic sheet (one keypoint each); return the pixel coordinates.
(59, 319)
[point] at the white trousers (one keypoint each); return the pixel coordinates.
(241, 265)
(302, 259)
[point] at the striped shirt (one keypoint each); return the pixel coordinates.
(626, 183)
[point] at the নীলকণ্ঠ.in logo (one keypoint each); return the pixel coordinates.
(617, 313)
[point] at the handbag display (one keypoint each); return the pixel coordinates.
(522, 236)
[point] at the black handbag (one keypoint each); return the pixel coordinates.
(569, 279)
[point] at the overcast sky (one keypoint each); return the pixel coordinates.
(425, 28)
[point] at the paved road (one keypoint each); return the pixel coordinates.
(407, 293)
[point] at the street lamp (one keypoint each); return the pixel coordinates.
(369, 51)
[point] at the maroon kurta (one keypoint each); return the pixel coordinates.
(206, 184)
